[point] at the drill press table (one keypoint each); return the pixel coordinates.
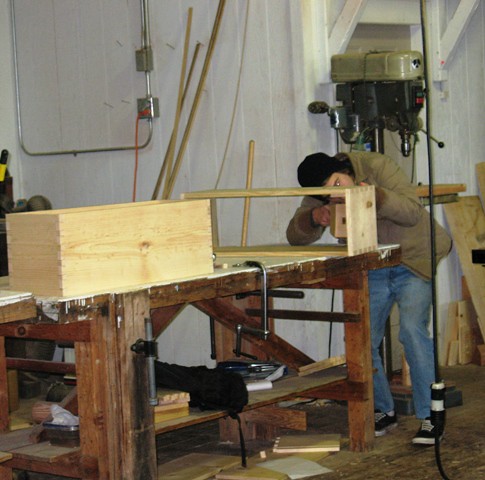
(117, 432)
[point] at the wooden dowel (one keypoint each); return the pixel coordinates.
(247, 200)
(179, 103)
(198, 94)
(156, 190)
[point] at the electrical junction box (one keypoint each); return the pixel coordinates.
(377, 67)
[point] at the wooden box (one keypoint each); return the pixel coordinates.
(359, 211)
(77, 251)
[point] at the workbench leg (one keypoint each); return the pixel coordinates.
(359, 364)
(4, 420)
(116, 420)
(137, 445)
(5, 473)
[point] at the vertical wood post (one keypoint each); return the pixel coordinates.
(137, 444)
(3, 388)
(359, 361)
(116, 420)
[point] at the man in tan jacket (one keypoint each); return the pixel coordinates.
(401, 219)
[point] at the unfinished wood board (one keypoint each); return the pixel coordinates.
(321, 365)
(480, 169)
(251, 473)
(440, 189)
(466, 344)
(315, 251)
(295, 467)
(307, 443)
(467, 224)
(360, 208)
(450, 333)
(4, 456)
(190, 473)
(43, 451)
(200, 463)
(85, 250)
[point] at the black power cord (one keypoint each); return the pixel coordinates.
(438, 388)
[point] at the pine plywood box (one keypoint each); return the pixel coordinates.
(360, 209)
(77, 251)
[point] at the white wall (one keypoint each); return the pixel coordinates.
(88, 98)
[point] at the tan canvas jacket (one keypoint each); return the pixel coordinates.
(401, 218)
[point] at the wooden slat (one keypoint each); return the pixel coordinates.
(480, 169)
(466, 345)
(321, 365)
(317, 251)
(266, 192)
(440, 189)
(467, 224)
(305, 315)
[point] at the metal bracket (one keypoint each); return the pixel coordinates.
(148, 348)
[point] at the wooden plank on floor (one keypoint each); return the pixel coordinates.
(201, 464)
(466, 220)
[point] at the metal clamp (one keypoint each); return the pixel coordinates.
(148, 348)
(264, 331)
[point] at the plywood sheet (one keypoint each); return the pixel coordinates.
(466, 220)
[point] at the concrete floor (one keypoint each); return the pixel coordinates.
(462, 450)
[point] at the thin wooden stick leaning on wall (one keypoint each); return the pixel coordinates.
(247, 200)
(360, 209)
(198, 94)
(171, 144)
(178, 109)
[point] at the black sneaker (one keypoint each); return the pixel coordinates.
(383, 423)
(426, 434)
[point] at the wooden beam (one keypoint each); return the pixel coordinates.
(305, 315)
(444, 41)
(345, 25)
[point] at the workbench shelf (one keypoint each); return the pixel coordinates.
(287, 388)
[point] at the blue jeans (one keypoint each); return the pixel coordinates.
(413, 296)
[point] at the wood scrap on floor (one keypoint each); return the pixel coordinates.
(202, 466)
(296, 467)
(251, 473)
(307, 443)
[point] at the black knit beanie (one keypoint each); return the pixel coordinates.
(316, 168)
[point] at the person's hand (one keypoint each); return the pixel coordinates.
(321, 216)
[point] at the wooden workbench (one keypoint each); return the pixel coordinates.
(116, 421)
